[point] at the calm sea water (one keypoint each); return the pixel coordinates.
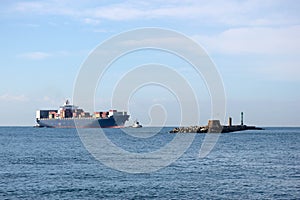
(53, 164)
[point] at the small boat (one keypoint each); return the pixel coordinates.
(136, 124)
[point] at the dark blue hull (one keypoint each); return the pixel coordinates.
(111, 122)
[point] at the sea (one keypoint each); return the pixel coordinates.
(45, 163)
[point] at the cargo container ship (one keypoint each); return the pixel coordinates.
(71, 116)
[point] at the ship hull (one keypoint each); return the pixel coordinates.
(111, 122)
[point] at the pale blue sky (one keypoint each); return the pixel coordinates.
(254, 44)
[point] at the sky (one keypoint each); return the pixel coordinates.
(255, 46)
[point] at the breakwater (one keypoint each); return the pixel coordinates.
(214, 126)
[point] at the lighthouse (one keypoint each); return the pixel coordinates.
(242, 118)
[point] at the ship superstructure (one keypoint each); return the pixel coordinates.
(71, 116)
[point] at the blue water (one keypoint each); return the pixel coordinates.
(53, 164)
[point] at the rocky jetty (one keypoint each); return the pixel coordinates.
(214, 126)
(190, 129)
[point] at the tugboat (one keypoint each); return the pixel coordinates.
(136, 124)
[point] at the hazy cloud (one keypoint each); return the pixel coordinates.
(34, 55)
(254, 40)
(38, 55)
(252, 13)
(91, 21)
(276, 49)
(9, 97)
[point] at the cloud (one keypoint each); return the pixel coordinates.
(254, 40)
(101, 31)
(9, 97)
(44, 7)
(272, 53)
(91, 21)
(254, 13)
(38, 55)
(35, 55)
